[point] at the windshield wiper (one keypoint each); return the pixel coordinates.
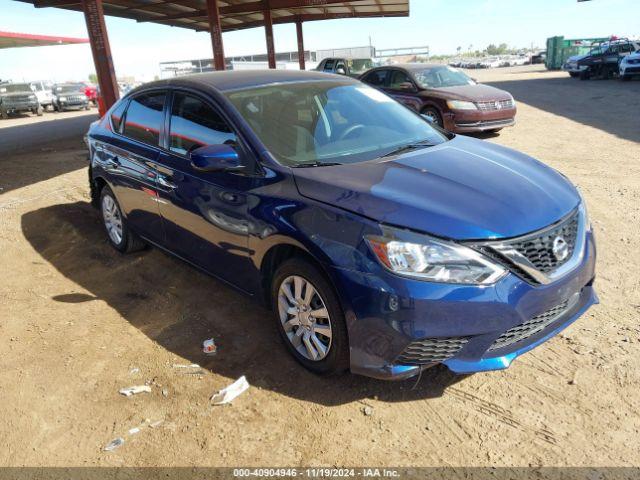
(408, 147)
(316, 164)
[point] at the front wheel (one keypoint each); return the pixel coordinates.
(434, 115)
(4, 115)
(625, 78)
(120, 236)
(309, 317)
(574, 74)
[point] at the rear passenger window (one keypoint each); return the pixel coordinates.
(144, 118)
(117, 114)
(195, 124)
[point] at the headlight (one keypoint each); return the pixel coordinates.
(434, 260)
(62, 99)
(460, 105)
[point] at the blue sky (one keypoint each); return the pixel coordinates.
(442, 24)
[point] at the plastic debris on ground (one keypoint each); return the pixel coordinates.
(192, 365)
(229, 393)
(134, 370)
(134, 430)
(127, 392)
(114, 444)
(156, 424)
(209, 347)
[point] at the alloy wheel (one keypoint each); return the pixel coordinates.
(112, 219)
(305, 318)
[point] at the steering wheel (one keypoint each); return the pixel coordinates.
(351, 130)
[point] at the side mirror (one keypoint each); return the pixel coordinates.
(215, 158)
(427, 118)
(407, 86)
(341, 71)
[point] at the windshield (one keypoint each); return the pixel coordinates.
(15, 88)
(439, 77)
(329, 122)
(360, 65)
(68, 88)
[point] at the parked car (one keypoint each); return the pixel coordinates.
(604, 59)
(91, 92)
(18, 98)
(352, 67)
(43, 92)
(382, 244)
(540, 57)
(69, 96)
(450, 98)
(630, 66)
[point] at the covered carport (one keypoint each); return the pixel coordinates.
(16, 40)
(214, 16)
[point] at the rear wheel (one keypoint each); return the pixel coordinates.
(309, 317)
(434, 115)
(118, 233)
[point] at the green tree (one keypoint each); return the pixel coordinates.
(93, 78)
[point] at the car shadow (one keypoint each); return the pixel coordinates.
(28, 152)
(178, 307)
(608, 105)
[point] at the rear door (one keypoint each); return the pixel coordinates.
(205, 213)
(129, 161)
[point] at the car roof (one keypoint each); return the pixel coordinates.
(412, 66)
(240, 79)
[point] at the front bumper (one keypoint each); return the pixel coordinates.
(574, 68)
(460, 121)
(632, 69)
(19, 107)
(385, 314)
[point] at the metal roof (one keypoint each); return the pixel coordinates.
(12, 40)
(238, 14)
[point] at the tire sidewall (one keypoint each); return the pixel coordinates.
(337, 360)
(122, 246)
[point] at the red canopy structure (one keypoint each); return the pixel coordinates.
(14, 40)
(214, 16)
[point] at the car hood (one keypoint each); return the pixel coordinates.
(474, 93)
(633, 56)
(576, 58)
(16, 95)
(464, 189)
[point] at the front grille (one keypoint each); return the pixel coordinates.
(75, 99)
(431, 350)
(20, 98)
(531, 327)
(539, 249)
(495, 105)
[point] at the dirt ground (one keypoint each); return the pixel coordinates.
(79, 321)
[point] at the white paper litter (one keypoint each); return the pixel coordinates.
(134, 430)
(229, 393)
(127, 392)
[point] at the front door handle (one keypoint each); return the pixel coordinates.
(164, 182)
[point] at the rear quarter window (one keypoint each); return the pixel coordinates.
(144, 118)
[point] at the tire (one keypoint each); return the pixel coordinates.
(585, 75)
(434, 114)
(574, 74)
(118, 233)
(4, 115)
(329, 331)
(625, 78)
(39, 111)
(86, 107)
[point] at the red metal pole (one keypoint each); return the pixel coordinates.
(99, 40)
(300, 44)
(268, 30)
(216, 34)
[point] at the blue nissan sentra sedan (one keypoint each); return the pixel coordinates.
(383, 244)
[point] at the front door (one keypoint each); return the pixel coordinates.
(403, 89)
(206, 214)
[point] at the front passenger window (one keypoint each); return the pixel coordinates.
(195, 124)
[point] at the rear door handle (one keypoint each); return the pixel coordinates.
(164, 182)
